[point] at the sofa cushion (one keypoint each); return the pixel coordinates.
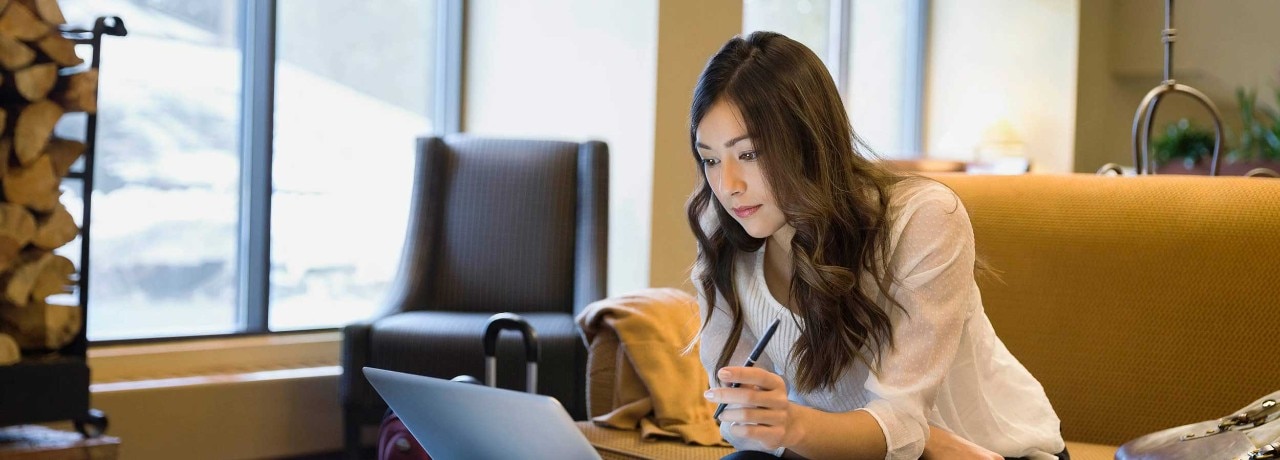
(1086, 451)
(1137, 302)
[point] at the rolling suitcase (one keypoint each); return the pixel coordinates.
(394, 440)
(396, 443)
(532, 351)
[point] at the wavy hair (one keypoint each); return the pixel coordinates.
(835, 197)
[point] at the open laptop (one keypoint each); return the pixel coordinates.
(455, 420)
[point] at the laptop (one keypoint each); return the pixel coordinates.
(455, 420)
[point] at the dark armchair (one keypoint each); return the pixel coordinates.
(496, 226)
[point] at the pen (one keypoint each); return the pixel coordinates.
(751, 359)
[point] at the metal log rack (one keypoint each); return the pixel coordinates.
(55, 387)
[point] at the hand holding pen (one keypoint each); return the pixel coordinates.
(751, 359)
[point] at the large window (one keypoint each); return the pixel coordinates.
(254, 160)
(875, 52)
(353, 88)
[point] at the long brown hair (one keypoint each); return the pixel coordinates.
(835, 198)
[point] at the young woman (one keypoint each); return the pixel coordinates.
(884, 350)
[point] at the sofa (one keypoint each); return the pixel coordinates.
(1140, 303)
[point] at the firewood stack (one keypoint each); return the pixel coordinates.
(41, 78)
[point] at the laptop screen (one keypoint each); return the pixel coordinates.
(454, 420)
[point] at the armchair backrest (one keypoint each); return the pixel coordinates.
(506, 225)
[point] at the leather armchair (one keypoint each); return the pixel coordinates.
(497, 225)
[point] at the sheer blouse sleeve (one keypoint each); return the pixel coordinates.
(933, 261)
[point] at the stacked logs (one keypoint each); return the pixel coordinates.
(41, 78)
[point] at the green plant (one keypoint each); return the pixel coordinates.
(1260, 133)
(1183, 141)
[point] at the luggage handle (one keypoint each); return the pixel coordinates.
(510, 321)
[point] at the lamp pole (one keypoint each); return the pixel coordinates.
(1142, 161)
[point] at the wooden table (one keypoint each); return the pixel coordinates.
(35, 442)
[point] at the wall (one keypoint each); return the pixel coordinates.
(689, 33)
(1094, 121)
(619, 71)
(257, 415)
(247, 397)
(574, 70)
(1221, 45)
(994, 59)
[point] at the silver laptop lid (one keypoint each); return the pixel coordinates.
(454, 420)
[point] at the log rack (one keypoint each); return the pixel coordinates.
(55, 387)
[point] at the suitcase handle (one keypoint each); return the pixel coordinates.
(511, 321)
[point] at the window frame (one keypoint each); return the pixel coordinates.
(914, 65)
(257, 32)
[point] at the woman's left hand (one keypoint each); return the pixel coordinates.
(758, 410)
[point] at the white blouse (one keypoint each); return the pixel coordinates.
(946, 368)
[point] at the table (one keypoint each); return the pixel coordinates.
(35, 442)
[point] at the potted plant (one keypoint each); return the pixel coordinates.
(1259, 144)
(1186, 148)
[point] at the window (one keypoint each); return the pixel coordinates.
(352, 92)
(875, 51)
(254, 160)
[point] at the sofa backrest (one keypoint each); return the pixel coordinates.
(1140, 303)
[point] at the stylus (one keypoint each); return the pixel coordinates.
(751, 359)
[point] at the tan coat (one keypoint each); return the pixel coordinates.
(638, 373)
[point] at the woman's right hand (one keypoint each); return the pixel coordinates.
(943, 444)
(759, 412)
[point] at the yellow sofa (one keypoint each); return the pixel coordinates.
(1140, 303)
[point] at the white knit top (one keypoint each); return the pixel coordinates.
(947, 367)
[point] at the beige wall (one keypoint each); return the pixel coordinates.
(689, 32)
(1221, 44)
(1094, 122)
(619, 71)
(271, 396)
(994, 59)
(232, 416)
(574, 70)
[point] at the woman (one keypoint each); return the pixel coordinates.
(884, 350)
